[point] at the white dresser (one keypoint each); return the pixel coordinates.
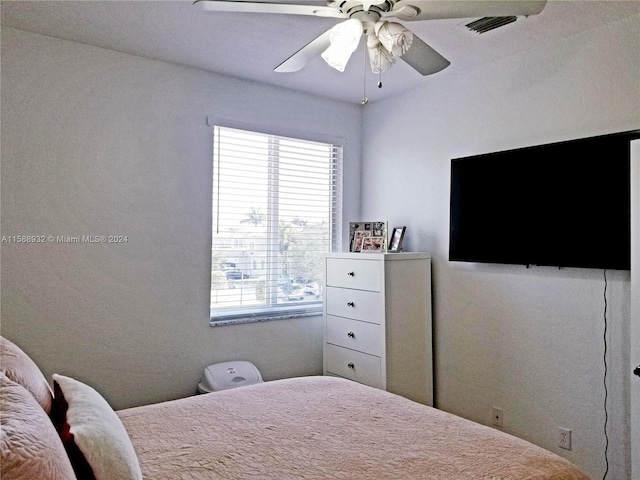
(377, 321)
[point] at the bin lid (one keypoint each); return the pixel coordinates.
(225, 375)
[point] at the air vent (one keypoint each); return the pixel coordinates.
(489, 23)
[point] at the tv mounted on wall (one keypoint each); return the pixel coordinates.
(564, 204)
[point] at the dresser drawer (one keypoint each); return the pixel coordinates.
(352, 273)
(362, 336)
(356, 304)
(361, 367)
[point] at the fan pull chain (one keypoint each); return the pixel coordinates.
(380, 79)
(364, 100)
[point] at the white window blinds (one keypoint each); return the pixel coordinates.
(275, 213)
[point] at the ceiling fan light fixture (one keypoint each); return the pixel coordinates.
(380, 58)
(344, 40)
(394, 37)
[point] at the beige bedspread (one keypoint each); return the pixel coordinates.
(323, 427)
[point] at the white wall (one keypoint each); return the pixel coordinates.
(96, 142)
(528, 341)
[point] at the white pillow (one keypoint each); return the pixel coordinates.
(97, 431)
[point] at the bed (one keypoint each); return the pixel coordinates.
(308, 427)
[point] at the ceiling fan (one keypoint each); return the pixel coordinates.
(386, 40)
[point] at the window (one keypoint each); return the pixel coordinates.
(276, 207)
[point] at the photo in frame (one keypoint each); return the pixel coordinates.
(359, 231)
(372, 244)
(395, 241)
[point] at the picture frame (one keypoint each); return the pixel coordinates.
(395, 241)
(358, 231)
(372, 244)
(358, 240)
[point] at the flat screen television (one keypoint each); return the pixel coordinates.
(564, 204)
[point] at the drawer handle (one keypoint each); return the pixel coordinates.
(351, 335)
(350, 274)
(351, 304)
(351, 365)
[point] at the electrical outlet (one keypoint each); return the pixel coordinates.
(497, 417)
(564, 438)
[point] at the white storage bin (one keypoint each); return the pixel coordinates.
(226, 375)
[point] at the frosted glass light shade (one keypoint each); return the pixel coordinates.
(394, 37)
(380, 58)
(344, 39)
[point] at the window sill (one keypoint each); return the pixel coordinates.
(235, 318)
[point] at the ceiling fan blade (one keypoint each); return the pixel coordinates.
(318, 8)
(423, 58)
(307, 53)
(409, 10)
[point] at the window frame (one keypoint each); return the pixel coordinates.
(251, 314)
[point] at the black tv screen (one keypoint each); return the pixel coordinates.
(564, 204)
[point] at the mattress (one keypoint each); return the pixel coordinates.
(324, 427)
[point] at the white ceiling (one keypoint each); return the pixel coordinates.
(250, 46)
